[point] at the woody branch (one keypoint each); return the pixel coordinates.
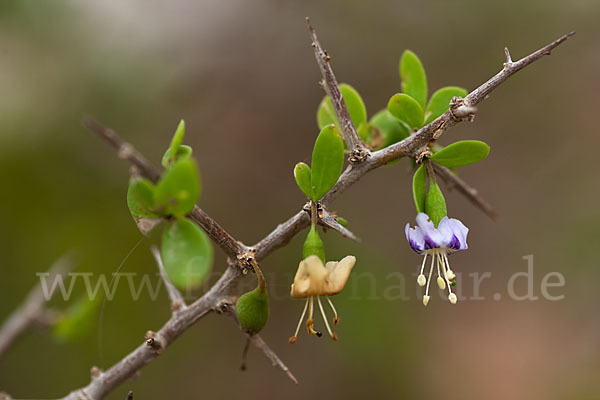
(216, 299)
(33, 309)
(461, 109)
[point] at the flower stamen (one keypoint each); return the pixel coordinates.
(426, 296)
(310, 322)
(332, 334)
(439, 239)
(440, 281)
(293, 339)
(451, 296)
(421, 278)
(336, 319)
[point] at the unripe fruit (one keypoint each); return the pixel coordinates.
(252, 310)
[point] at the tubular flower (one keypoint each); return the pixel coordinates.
(314, 279)
(450, 236)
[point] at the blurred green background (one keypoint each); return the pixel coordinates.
(242, 75)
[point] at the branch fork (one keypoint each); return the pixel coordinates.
(461, 110)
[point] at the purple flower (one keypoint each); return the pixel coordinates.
(450, 236)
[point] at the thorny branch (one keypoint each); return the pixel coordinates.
(358, 151)
(260, 344)
(33, 309)
(177, 302)
(455, 181)
(217, 298)
(126, 151)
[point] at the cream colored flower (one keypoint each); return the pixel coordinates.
(313, 279)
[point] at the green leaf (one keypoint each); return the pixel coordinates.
(406, 109)
(420, 188)
(327, 161)
(355, 104)
(183, 152)
(440, 101)
(187, 253)
(252, 310)
(176, 142)
(414, 81)
(303, 179)
(79, 319)
(179, 188)
(140, 199)
(342, 221)
(461, 153)
(391, 128)
(313, 245)
(435, 204)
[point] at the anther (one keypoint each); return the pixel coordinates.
(421, 280)
(292, 339)
(425, 300)
(452, 298)
(441, 283)
(310, 327)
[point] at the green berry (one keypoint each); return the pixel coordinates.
(252, 310)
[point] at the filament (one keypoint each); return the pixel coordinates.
(333, 336)
(447, 267)
(336, 319)
(423, 264)
(429, 277)
(301, 318)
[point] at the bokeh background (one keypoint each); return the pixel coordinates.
(242, 75)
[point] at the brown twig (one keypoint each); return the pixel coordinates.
(461, 109)
(177, 301)
(260, 344)
(32, 310)
(410, 147)
(126, 368)
(126, 151)
(328, 220)
(467, 190)
(358, 151)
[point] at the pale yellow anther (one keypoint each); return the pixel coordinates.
(450, 274)
(425, 300)
(452, 298)
(421, 280)
(441, 283)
